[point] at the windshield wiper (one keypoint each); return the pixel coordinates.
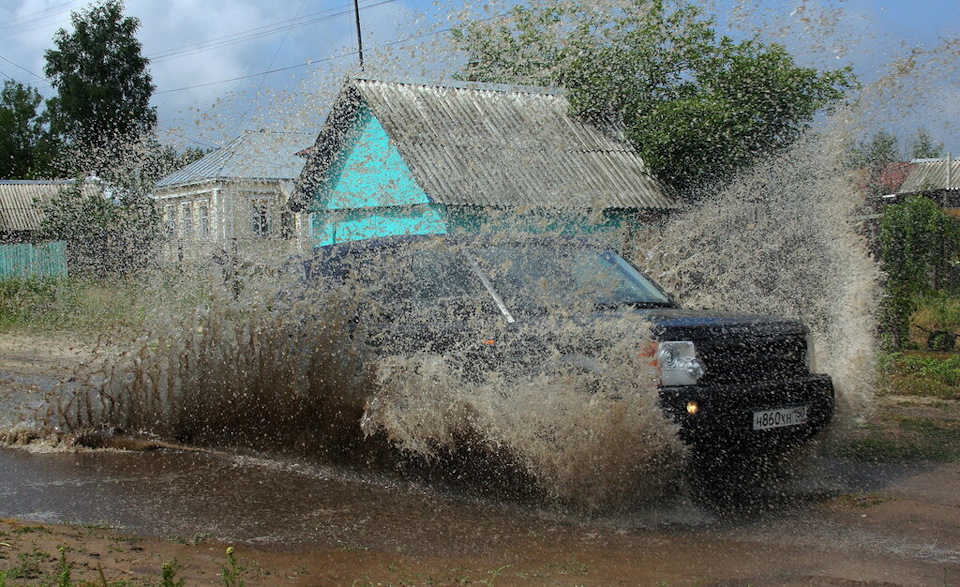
(490, 289)
(632, 304)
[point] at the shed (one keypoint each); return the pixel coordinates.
(938, 178)
(20, 215)
(402, 157)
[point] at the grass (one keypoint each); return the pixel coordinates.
(38, 567)
(68, 304)
(864, 500)
(922, 374)
(920, 417)
(879, 447)
(77, 304)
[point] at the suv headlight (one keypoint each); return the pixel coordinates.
(811, 355)
(678, 363)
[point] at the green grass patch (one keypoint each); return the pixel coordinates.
(29, 565)
(95, 305)
(922, 374)
(68, 304)
(864, 500)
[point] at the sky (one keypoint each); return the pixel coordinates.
(224, 67)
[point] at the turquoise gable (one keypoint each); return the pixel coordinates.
(370, 192)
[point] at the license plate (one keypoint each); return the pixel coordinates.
(780, 417)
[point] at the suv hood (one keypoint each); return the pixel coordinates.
(677, 324)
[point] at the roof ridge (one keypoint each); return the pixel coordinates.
(34, 181)
(464, 85)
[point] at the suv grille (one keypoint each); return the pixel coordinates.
(734, 360)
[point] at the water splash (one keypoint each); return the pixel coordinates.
(587, 431)
(785, 239)
(275, 370)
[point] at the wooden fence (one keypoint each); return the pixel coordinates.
(27, 260)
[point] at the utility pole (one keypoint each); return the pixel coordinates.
(356, 11)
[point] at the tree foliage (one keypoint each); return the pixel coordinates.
(102, 82)
(20, 129)
(923, 146)
(875, 153)
(918, 242)
(25, 149)
(109, 229)
(697, 106)
(872, 157)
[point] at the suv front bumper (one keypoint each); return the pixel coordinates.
(723, 417)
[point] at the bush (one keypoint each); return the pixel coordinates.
(918, 241)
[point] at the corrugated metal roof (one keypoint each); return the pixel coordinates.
(18, 210)
(491, 145)
(263, 154)
(931, 175)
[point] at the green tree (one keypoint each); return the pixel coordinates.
(697, 106)
(872, 157)
(918, 240)
(21, 130)
(923, 146)
(110, 229)
(102, 82)
(164, 160)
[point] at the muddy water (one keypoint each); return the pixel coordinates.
(268, 502)
(293, 507)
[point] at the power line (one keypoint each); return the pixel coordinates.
(24, 69)
(275, 54)
(313, 62)
(40, 18)
(251, 34)
(288, 68)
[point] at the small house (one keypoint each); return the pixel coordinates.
(236, 198)
(397, 157)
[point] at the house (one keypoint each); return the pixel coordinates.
(236, 198)
(397, 157)
(894, 174)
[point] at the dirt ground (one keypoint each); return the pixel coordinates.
(905, 532)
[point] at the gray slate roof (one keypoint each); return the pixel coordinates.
(491, 145)
(18, 210)
(256, 155)
(931, 174)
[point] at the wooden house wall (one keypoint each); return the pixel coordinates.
(370, 192)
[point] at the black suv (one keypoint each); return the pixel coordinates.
(735, 384)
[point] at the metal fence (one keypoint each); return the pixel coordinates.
(27, 260)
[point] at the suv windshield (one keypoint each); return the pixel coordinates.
(506, 278)
(529, 277)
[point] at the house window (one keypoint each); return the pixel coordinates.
(261, 218)
(172, 221)
(187, 220)
(203, 211)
